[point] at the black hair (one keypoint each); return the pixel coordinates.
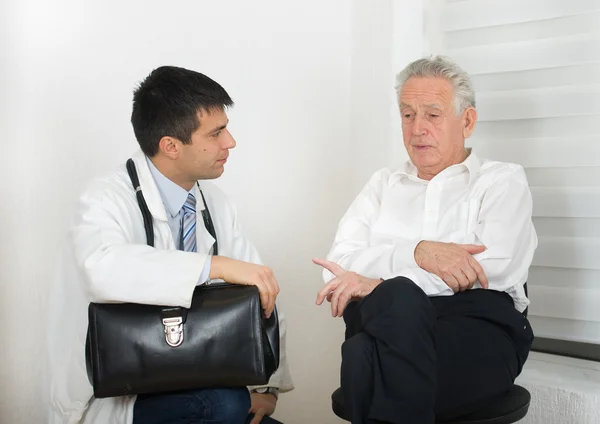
(166, 103)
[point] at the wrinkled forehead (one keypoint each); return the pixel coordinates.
(419, 92)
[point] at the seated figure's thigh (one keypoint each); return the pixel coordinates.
(221, 405)
(477, 363)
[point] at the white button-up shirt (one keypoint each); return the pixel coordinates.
(474, 202)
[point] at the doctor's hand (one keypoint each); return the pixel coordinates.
(346, 286)
(247, 274)
(261, 405)
(453, 263)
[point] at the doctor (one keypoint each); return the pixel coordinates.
(180, 123)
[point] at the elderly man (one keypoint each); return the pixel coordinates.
(429, 266)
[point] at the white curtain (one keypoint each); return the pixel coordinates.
(535, 65)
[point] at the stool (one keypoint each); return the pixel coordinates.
(510, 409)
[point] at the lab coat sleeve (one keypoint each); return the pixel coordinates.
(119, 268)
(352, 249)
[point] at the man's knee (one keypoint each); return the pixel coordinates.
(401, 294)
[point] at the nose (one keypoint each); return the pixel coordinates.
(228, 140)
(419, 125)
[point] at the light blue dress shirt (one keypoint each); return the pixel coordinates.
(174, 197)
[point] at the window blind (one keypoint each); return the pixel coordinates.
(535, 65)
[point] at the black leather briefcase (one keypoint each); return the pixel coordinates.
(222, 340)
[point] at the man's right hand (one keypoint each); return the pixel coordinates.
(453, 263)
(247, 274)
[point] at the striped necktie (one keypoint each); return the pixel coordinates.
(188, 225)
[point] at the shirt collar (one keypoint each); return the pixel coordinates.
(173, 196)
(471, 164)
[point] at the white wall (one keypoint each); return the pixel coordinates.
(311, 120)
(386, 36)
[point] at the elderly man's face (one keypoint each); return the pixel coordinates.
(434, 135)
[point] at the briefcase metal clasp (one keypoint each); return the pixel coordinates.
(173, 331)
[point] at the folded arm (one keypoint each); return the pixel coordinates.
(505, 228)
(116, 268)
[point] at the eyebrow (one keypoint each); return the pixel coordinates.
(429, 106)
(219, 128)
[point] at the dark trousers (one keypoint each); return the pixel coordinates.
(412, 359)
(201, 406)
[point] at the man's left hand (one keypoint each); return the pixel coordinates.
(261, 405)
(346, 286)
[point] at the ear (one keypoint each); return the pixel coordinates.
(469, 120)
(170, 147)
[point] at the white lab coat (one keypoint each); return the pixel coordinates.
(107, 260)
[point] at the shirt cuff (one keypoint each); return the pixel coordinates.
(266, 390)
(205, 274)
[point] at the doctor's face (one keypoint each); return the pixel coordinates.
(205, 157)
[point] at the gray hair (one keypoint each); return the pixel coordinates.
(443, 67)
